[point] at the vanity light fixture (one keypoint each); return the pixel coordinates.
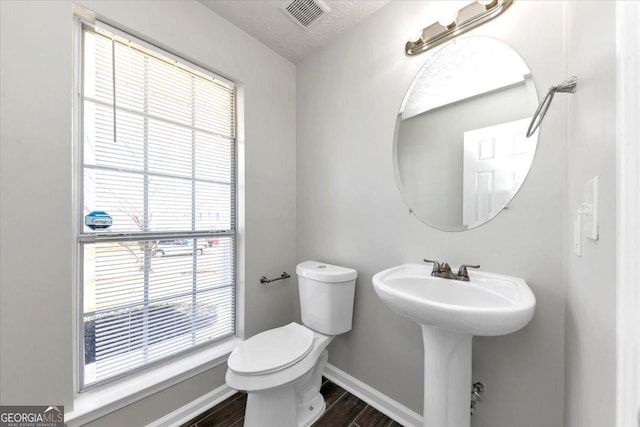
(468, 17)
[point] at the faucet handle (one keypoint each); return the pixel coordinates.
(462, 271)
(436, 266)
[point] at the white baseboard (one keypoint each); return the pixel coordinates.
(382, 403)
(195, 408)
(374, 398)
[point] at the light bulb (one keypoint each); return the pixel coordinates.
(448, 19)
(488, 4)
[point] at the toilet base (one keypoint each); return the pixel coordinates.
(277, 408)
(296, 404)
(310, 412)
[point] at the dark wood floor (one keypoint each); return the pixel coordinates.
(343, 410)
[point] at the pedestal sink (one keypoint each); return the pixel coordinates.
(450, 313)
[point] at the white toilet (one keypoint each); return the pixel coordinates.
(281, 369)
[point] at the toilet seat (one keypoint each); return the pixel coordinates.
(272, 350)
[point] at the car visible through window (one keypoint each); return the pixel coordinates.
(174, 247)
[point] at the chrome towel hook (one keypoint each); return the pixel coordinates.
(567, 86)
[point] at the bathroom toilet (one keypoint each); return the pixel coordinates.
(281, 369)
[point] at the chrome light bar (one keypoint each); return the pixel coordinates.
(468, 17)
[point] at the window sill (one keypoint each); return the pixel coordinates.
(101, 401)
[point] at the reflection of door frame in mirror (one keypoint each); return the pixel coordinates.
(485, 150)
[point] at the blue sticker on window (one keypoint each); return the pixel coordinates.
(98, 220)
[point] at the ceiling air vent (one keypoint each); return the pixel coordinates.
(305, 12)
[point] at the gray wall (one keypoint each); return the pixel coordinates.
(591, 279)
(351, 213)
(37, 276)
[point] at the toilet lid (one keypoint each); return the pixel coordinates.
(271, 350)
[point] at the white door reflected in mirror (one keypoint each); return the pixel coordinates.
(495, 161)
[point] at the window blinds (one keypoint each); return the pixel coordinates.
(158, 155)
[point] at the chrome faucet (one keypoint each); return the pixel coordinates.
(444, 270)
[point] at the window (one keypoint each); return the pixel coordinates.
(158, 160)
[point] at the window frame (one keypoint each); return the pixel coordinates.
(82, 238)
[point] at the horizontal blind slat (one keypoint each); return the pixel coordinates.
(159, 157)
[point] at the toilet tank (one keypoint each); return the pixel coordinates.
(326, 296)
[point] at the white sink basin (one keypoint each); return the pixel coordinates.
(489, 304)
(450, 312)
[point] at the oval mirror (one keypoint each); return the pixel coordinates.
(460, 149)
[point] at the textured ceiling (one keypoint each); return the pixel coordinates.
(265, 21)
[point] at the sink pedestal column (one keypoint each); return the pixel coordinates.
(447, 378)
